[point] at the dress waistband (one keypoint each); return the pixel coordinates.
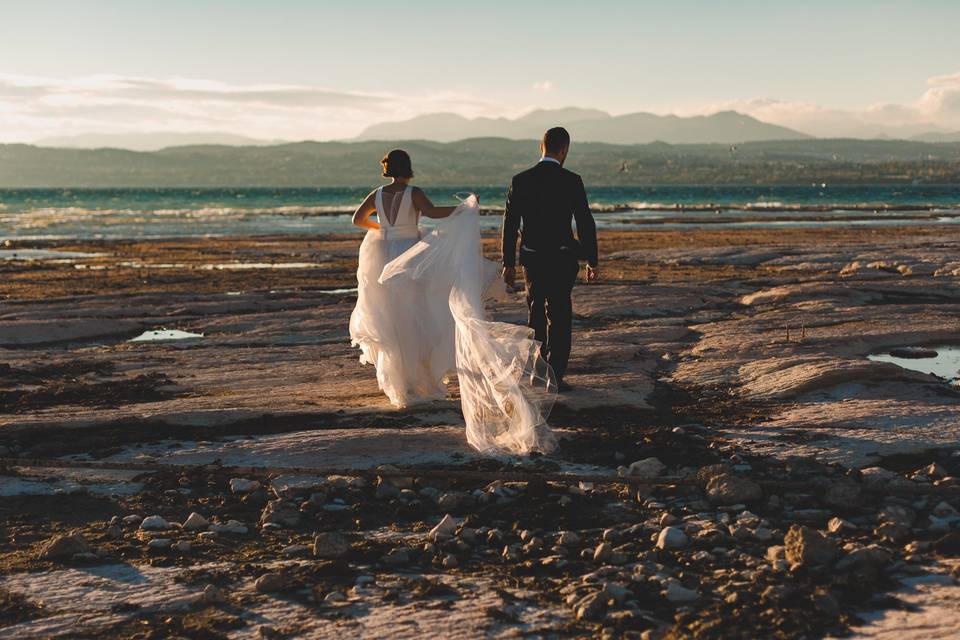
(396, 233)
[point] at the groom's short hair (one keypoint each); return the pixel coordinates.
(556, 140)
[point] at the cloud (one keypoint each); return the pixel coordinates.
(35, 108)
(937, 109)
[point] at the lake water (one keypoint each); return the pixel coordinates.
(152, 213)
(945, 364)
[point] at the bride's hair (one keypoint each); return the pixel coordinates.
(397, 164)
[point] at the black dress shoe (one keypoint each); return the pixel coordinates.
(563, 387)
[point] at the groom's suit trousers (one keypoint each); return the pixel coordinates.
(549, 285)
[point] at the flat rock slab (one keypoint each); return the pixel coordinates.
(936, 614)
(87, 600)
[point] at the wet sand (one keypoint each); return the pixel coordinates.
(723, 346)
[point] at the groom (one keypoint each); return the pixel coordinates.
(542, 201)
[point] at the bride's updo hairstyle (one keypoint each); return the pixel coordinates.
(396, 164)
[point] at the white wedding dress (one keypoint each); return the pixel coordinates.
(420, 316)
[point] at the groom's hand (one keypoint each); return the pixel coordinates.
(592, 273)
(510, 277)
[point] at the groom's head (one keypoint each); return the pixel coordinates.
(555, 143)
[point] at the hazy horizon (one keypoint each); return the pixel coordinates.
(302, 70)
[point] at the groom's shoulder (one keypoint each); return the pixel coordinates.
(526, 173)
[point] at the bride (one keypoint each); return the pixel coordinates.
(420, 318)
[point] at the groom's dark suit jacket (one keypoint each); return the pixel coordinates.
(545, 199)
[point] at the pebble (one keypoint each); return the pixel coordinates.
(160, 544)
(132, 520)
(232, 526)
(114, 531)
(672, 538)
(445, 528)
(295, 550)
(568, 538)
(182, 546)
(648, 468)
(335, 596)
(154, 523)
(450, 561)
(243, 485)
(844, 494)
(806, 546)
(386, 490)
(763, 534)
(450, 501)
(676, 592)
(63, 547)
(602, 552)
(397, 557)
(729, 490)
(591, 606)
(837, 525)
(330, 545)
(611, 535)
(269, 583)
(280, 513)
(668, 519)
(212, 594)
(195, 522)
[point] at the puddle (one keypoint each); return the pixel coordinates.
(943, 361)
(44, 254)
(163, 335)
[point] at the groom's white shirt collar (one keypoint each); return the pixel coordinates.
(548, 159)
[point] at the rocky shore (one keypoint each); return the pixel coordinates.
(764, 477)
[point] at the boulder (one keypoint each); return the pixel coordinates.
(730, 489)
(64, 547)
(808, 547)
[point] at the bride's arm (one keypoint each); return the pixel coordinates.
(361, 217)
(426, 208)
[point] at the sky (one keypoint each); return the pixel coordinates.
(318, 69)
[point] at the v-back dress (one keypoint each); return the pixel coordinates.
(398, 325)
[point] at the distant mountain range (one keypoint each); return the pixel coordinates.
(585, 125)
(588, 125)
(937, 136)
(151, 141)
(482, 162)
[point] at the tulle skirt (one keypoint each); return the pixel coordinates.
(507, 390)
(402, 328)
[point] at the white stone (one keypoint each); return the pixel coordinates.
(646, 468)
(445, 528)
(232, 526)
(195, 522)
(676, 592)
(154, 523)
(672, 538)
(242, 485)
